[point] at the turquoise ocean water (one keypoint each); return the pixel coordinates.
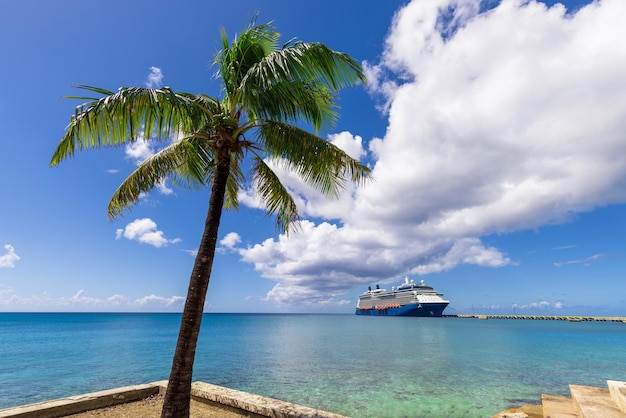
(348, 364)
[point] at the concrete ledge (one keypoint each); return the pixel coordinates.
(200, 391)
(256, 404)
(81, 403)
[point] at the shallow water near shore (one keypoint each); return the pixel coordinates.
(348, 364)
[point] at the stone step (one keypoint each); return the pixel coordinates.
(555, 406)
(618, 393)
(593, 402)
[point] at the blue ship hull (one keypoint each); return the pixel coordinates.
(413, 309)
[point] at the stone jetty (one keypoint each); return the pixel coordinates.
(570, 318)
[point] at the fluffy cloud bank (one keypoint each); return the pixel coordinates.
(498, 121)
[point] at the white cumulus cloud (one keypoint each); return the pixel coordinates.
(230, 240)
(155, 78)
(139, 151)
(9, 259)
(145, 231)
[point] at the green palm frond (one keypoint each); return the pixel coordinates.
(307, 74)
(185, 159)
(298, 81)
(123, 116)
(274, 195)
(313, 62)
(99, 90)
(293, 101)
(207, 105)
(195, 162)
(235, 182)
(247, 49)
(318, 162)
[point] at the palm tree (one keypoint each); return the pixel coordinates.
(269, 92)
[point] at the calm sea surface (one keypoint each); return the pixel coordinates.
(348, 364)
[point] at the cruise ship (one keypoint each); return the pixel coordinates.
(408, 299)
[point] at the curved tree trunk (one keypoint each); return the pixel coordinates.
(178, 394)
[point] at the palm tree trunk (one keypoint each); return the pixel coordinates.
(178, 394)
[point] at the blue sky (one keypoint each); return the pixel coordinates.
(495, 132)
